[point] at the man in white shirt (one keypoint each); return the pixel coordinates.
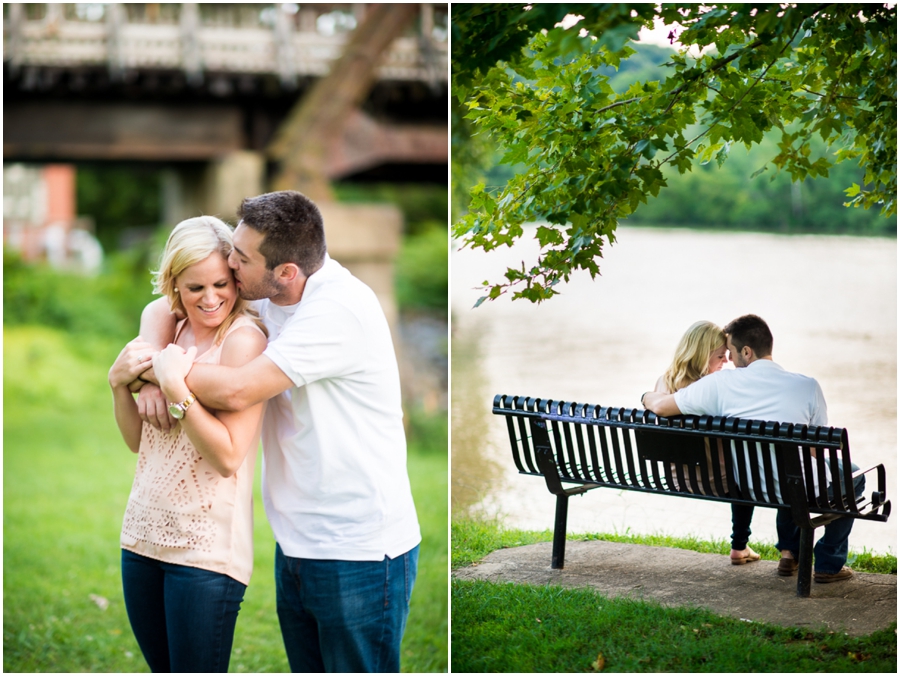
(335, 485)
(759, 389)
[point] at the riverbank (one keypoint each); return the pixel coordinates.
(677, 607)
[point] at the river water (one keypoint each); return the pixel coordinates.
(831, 303)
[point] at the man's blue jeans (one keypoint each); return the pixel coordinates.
(183, 618)
(830, 552)
(344, 616)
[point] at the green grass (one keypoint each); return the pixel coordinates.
(67, 476)
(517, 628)
(473, 539)
(520, 628)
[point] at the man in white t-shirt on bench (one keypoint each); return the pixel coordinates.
(335, 484)
(759, 389)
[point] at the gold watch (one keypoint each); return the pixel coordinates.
(178, 410)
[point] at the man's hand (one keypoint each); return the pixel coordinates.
(154, 409)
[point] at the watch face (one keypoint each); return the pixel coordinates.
(176, 411)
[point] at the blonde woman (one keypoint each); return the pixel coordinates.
(701, 351)
(187, 550)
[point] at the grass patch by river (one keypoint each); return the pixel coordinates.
(67, 476)
(519, 628)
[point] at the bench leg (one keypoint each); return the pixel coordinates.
(559, 532)
(805, 564)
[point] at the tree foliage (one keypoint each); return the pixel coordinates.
(591, 156)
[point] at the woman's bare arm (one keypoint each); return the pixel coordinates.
(223, 438)
(158, 329)
(128, 365)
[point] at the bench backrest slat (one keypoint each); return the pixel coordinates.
(572, 452)
(595, 467)
(764, 490)
(580, 449)
(742, 480)
(821, 499)
(751, 458)
(608, 469)
(514, 441)
(705, 468)
(838, 490)
(770, 469)
(628, 448)
(810, 474)
(560, 451)
(719, 456)
(621, 470)
(654, 474)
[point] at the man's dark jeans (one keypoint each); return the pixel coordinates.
(344, 616)
(830, 552)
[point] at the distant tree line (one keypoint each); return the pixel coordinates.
(710, 196)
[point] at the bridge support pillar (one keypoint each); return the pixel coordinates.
(230, 179)
(215, 190)
(365, 239)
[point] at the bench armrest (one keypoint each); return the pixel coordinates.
(878, 495)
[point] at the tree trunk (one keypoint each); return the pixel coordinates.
(316, 120)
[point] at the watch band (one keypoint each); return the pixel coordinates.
(179, 409)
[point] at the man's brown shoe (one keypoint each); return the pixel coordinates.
(787, 567)
(843, 574)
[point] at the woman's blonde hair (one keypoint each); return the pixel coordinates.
(691, 361)
(190, 242)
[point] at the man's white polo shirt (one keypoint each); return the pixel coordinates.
(763, 390)
(335, 484)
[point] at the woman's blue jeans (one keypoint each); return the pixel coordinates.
(183, 618)
(344, 616)
(741, 515)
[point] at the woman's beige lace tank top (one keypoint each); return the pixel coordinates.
(181, 510)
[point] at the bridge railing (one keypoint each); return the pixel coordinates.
(287, 40)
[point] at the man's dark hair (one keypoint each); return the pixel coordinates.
(751, 331)
(292, 229)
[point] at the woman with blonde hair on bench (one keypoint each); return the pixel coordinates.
(701, 351)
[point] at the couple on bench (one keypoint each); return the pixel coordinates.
(756, 389)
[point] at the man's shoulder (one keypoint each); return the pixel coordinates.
(334, 281)
(771, 370)
(342, 292)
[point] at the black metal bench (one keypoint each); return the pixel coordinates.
(766, 464)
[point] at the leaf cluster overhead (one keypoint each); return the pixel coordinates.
(591, 156)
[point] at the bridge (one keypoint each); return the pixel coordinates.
(214, 95)
(196, 81)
